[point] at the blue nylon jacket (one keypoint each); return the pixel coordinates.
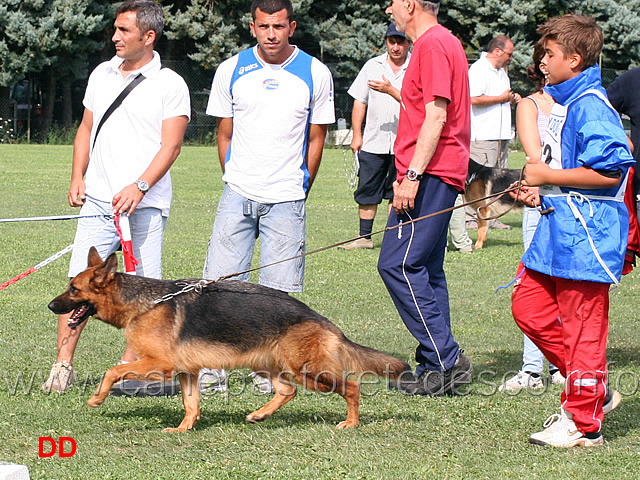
(592, 136)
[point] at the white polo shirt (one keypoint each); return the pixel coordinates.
(490, 122)
(130, 138)
(382, 109)
(272, 107)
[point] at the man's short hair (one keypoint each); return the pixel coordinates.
(272, 6)
(500, 42)
(149, 15)
(575, 34)
(430, 6)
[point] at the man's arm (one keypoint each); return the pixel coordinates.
(506, 96)
(358, 113)
(81, 150)
(225, 130)
(171, 143)
(435, 118)
(317, 135)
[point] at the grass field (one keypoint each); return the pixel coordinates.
(481, 435)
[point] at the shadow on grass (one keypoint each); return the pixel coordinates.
(215, 415)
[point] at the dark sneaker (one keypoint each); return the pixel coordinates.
(408, 384)
(432, 384)
(145, 388)
(440, 383)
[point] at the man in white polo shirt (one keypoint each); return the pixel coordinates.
(376, 96)
(273, 104)
(122, 166)
(491, 100)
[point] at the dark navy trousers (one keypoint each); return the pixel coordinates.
(411, 266)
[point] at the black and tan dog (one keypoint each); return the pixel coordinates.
(483, 181)
(224, 324)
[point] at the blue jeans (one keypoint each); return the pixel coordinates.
(532, 357)
(147, 235)
(281, 228)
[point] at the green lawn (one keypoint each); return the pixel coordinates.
(481, 435)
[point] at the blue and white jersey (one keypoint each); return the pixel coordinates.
(272, 107)
(585, 236)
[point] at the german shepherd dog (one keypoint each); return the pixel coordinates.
(224, 324)
(483, 181)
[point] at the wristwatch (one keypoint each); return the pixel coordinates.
(142, 186)
(413, 176)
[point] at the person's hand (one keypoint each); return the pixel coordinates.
(127, 200)
(536, 173)
(383, 86)
(525, 194)
(505, 96)
(514, 98)
(356, 143)
(76, 195)
(404, 195)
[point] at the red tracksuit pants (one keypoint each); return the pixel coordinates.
(576, 345)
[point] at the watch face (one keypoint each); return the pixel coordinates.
(412, 175)
(143, 186)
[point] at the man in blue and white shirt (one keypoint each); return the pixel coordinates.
(273, 104)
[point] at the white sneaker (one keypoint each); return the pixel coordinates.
(60, 378)
(359, 243)
(520, 381)
(262, 384)
(211, 380)
(561, 432)
(611, 401)
(557, 378)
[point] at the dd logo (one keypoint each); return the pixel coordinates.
(70, 452)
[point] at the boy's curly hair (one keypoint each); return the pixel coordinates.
(575, 34)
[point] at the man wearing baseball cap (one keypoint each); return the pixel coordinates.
(376, 97)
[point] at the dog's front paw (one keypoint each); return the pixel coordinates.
(253, 418)
(174, 430)
(95, 401)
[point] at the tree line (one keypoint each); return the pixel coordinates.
(56, 42)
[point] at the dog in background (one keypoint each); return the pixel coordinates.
(483, 181)
(225, 324)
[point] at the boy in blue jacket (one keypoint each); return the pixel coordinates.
(578, 248)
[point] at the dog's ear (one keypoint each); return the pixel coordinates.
(94, 259)
(104, 273)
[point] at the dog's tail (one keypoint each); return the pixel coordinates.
(361, 360)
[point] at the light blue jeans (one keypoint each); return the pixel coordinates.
(281, 228)
(147, 235)
(532, 357)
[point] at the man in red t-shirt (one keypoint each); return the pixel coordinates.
(432, 157)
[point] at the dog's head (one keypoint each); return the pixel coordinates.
(84, 293)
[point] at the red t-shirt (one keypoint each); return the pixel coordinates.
(438, 68)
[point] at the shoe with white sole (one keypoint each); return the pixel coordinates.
(60, 378)
(260, 383)
(611, 401)
(556, 378)
(521, 380)
(211, 380)
(561, 432)
(359, 243)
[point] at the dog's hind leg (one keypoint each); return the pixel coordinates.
(191, 402)
(285, 392)
(347, 389)
(147, 367)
